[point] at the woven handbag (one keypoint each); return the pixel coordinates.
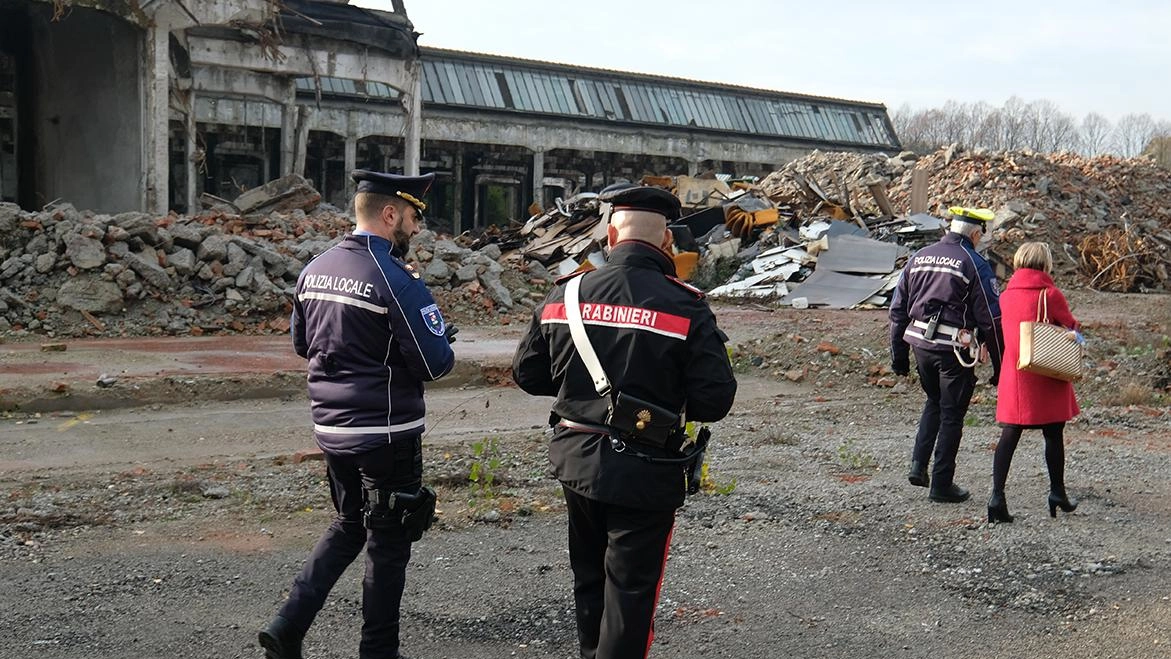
(1048, 349)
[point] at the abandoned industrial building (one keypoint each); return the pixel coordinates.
(114, 106)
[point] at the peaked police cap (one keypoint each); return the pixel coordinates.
(642, 198)
(409, 188)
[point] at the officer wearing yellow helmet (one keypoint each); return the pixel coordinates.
(946, 310)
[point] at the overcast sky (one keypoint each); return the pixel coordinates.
(1113, 58)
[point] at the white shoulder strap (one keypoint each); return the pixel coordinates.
(580, 340)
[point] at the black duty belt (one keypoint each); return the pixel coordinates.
(620, 446)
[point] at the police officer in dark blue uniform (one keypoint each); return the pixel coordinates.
(617, 450)
(373, 335)
(946, 308)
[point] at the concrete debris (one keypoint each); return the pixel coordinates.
(77, 273)
(284, 195)
(1106, 218)
(818, 232)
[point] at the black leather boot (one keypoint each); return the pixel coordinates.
(281, 640)
(951, 494)
(917, 474)
(998, 508)
(1059, 499)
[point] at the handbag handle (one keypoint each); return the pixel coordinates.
(1043, 306)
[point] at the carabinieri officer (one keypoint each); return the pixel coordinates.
(657, 341)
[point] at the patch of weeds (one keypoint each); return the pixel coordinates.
(971, 420)
(1130, 393)
(709, 484)
(485, 467)
(855, 457)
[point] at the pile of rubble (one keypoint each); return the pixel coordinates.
(830, 229)
(234, 267)
(1106, 218)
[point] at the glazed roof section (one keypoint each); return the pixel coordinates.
(457, 79)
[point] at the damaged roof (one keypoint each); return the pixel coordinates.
(489, 82)
(391, 32)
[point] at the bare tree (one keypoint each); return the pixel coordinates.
(1132, 133)
(1050, 129)
(1012, 122)
(1037, 125)
(1095, 134)
(1159, 148)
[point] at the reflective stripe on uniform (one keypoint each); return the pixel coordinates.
(369, 430)
(333, 297)
(935, 268)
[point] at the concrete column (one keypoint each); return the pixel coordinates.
(156, 120)
(289, 129)
(538, 178)
(301, 147)
(692, 168)
(413, 105)
(351, 163)
(457, 197)
(189, 152)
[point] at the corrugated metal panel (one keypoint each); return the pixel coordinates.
(587, 102)
(639, 108)
(454, 93)
(604, 95)
(570, 97)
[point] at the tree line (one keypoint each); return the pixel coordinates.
(1037, 125)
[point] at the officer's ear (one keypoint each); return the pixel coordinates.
(389, 213)
(668, 239)
(611, 235)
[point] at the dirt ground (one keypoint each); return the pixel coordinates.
(173, 527)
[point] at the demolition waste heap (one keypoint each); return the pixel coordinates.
(232, 267)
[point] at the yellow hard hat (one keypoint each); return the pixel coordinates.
(978, 214)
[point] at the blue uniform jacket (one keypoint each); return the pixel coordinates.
(373, 335)
(950, 278)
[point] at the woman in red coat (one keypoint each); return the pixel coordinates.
(1029, 400)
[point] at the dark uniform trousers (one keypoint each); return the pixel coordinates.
(618, 555)
(948, 385)
(397, 466)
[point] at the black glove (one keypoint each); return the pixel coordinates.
(901, 366)
(450, 332)
(995, 378)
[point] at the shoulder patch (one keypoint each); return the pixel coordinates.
(433, 319)
(690, 289)
(410, 269)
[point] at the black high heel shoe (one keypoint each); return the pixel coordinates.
(998, 509)
(1059, 499)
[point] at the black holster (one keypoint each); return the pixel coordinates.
(695, 466)
(388, 508)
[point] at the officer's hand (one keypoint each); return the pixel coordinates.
(995, 381)
(450, 333)
(901, 366)
(983, 354)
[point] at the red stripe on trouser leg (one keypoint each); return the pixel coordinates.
(650, 638)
